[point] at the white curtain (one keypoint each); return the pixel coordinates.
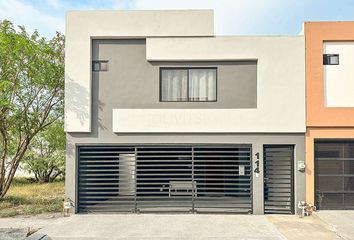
(174, 85)
(202, 84)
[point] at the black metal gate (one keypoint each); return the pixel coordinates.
(334, 174)
(165, 178)
(278, 179)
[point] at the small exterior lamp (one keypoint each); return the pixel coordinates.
(67, 205)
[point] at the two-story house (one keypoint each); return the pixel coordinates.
(163, 116)
(330, 114)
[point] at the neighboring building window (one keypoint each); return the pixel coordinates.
(188, 84)
(330, 59)
(99, 66)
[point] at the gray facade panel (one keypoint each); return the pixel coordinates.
(133, 82)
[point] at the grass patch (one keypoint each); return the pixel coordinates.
(27, 198)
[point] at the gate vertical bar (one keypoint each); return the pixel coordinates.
(193, 187)
(343, 178)
(292, 158)
(135, 178)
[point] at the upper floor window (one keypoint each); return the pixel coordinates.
(188, 84)
(330, 59)
(99, 65)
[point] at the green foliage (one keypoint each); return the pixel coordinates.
(45, 157)
(31, 92)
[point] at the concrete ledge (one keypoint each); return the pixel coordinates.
(203, 121)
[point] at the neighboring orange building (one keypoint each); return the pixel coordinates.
(330, 114)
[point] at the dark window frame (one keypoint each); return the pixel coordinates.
(188, 95)
(326, 59)
(100, 68)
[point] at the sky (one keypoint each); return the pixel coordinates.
(232, 17)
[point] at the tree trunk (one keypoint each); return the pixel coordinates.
(3, 159)
(56, 175)
(16, 161)
(36, 176)
(45, 178)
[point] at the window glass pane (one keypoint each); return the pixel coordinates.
(202, 84)
(328, 150)
(329, 183)
(96, 66)
(325, 59)
(334, 60)
(349, 183)
(349, 201)
(330, 59)
(174, 85)
(104, 66)
(329, 201)
(329, 167)
(349, 150)
(349, 167)
(99, 65)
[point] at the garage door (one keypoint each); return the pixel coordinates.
(334, 175)
(165, 179)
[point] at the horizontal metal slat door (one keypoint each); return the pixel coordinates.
(222, 174)
(164, 179)
(278, 179)
(106, 179)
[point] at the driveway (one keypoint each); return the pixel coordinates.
(341, 222)
(209, 227)
(149, 226)
(324, 225)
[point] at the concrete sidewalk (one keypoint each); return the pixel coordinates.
(14, 228)
(295, 228)
(342, 222)
(223, 227)
(323, 225)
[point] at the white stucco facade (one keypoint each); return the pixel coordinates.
(339, 79)
(111, 115)
(280, 87)
(83, 26)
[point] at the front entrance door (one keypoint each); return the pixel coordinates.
(278, 179)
